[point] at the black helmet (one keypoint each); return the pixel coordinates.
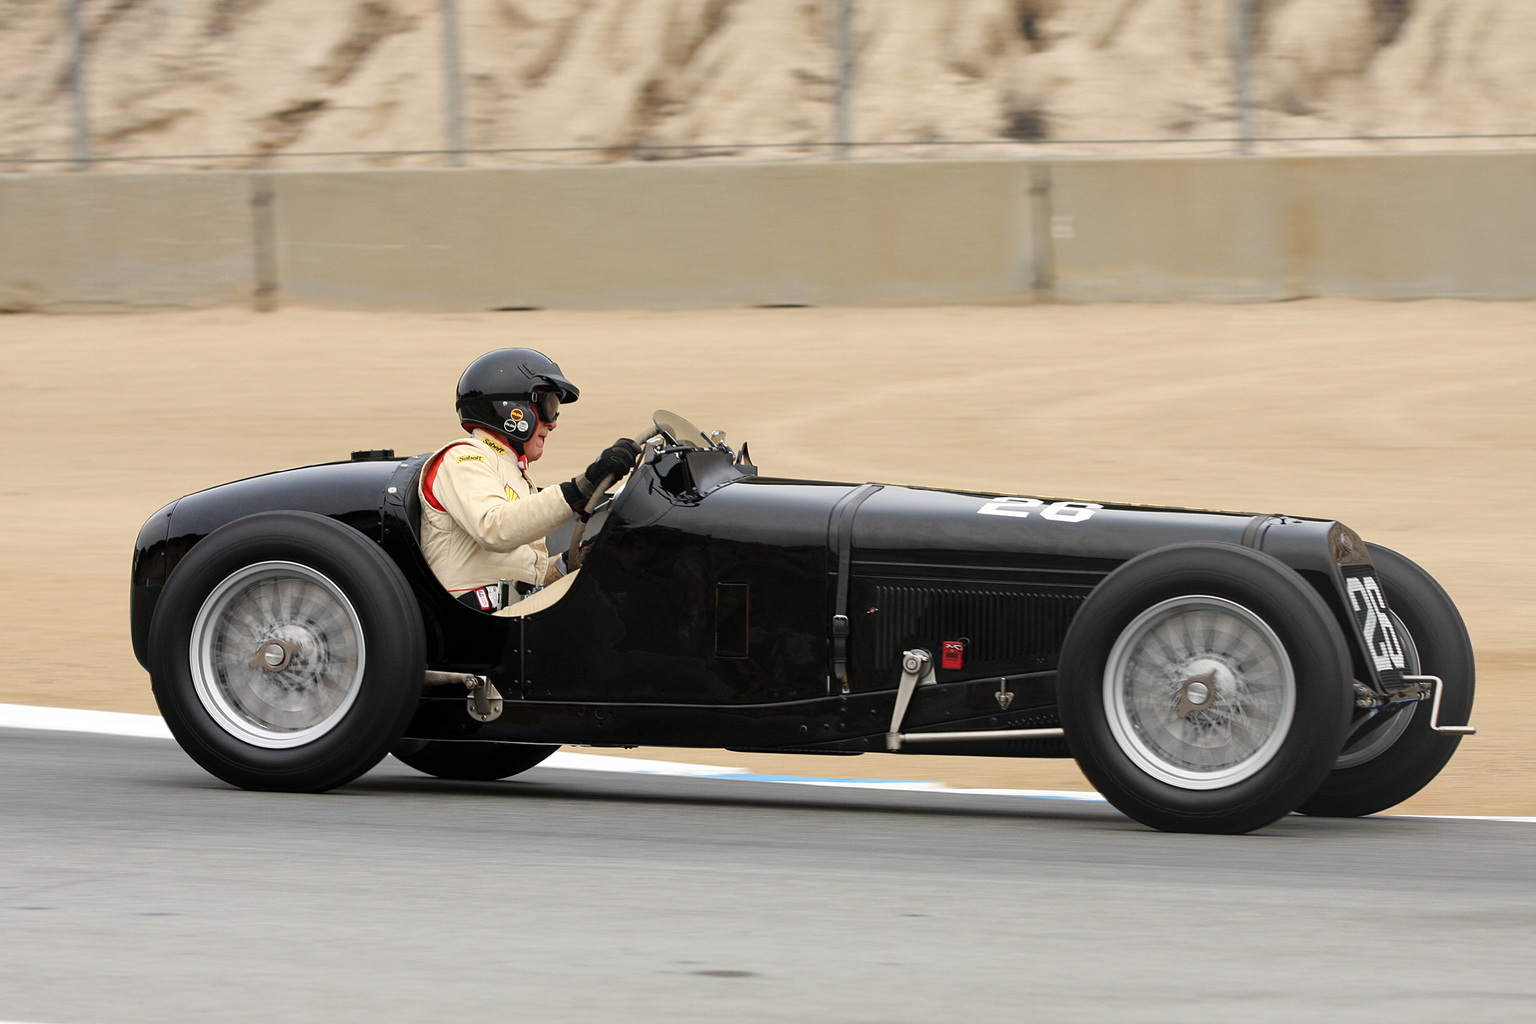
(496, 392)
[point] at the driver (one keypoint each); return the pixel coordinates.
(483, 521)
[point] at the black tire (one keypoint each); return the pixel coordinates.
(1148, 700)
(315, 710)
(1396, 758)
(468, 761)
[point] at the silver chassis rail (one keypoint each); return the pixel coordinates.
(985, 734)
(485, 704)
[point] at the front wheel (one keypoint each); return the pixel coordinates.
(1204, 688)
(469, 761)
(286, 652)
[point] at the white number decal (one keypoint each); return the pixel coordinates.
(1057, 511)
(1071, 511)
(1381, 637)
(1016, 507)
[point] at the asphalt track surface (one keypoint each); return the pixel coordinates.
(134, 887)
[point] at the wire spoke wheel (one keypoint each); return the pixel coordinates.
(1200, 691)
(286, 652)
(1205, 687)
(277, 654)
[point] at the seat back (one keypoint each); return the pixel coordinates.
(405, 492)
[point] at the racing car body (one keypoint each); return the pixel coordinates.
(1209, 670)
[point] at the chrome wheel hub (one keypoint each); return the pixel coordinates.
(1199, 692)
(274, 655)
(277, 654)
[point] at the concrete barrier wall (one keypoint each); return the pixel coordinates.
(668, 236)
(89, 241)
(1381, 227)
(675, 235)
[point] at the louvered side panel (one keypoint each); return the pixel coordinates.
(1020, 629)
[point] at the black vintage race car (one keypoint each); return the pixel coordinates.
(1210, 671)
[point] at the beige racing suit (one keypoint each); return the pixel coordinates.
(482, 518)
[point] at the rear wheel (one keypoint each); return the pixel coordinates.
(1204, 688)
(470, 761)
(1392, 755)
(286, 653)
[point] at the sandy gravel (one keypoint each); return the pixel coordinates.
(1412, 422)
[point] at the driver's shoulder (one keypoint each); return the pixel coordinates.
(462, 455)
(465, 449)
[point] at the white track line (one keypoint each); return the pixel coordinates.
(117, 723)
(103, 723)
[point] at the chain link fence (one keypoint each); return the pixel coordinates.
(141, 84)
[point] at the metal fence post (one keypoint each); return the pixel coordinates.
(843, 99)
(1242, 72)
(264, 243)
(453, 100)
(80, 110)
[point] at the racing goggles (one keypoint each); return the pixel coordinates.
(546, 404)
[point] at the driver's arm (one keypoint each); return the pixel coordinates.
(472, 493)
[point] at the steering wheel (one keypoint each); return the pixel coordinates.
(573, 553)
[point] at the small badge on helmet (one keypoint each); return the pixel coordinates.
(516, 426)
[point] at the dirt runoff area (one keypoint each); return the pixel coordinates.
(1412, 422)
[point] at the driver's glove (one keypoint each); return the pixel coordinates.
(616, 461)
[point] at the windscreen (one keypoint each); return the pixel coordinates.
(679, 430)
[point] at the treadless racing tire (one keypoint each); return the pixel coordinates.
(469, 761)
(1205, 688)
(286, 653)
(1389, 760)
